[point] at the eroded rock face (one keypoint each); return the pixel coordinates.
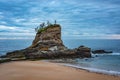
(49, 38)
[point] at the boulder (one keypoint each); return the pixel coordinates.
(84, 51)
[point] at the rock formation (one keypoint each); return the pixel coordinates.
(49, 39)
(100, 51)
(48, 44)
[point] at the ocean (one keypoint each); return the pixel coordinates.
(8, 45)
(101, 63)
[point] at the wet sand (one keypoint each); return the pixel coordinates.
(41, 70)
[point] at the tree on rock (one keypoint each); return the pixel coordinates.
(55, 21)
(36, 29)
(48, 23)
(42, 25)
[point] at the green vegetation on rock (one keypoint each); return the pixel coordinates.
(43, 28)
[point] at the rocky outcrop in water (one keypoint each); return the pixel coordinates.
(48, 44)
(100, 51)
(80, 52)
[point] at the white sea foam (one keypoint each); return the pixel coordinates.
(105, 54)
(115, 54)
(116, 73)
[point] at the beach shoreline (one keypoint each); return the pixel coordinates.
(42, 70)
(86, 69)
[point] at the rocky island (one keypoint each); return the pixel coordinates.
(49, 45)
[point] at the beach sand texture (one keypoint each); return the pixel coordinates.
(41, 70)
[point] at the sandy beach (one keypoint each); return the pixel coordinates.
(41, 70)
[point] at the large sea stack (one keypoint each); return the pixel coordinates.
(49, 39)
(48, 44)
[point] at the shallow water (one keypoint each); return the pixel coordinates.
(105, 63)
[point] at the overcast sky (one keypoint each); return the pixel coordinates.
(80, 19)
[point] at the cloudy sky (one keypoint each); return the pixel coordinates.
(80, 19)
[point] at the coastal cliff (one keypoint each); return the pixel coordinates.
(49, 39)
(48, 44)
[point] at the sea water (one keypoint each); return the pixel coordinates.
(8, 45)
(106, 64)
(102, 63)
